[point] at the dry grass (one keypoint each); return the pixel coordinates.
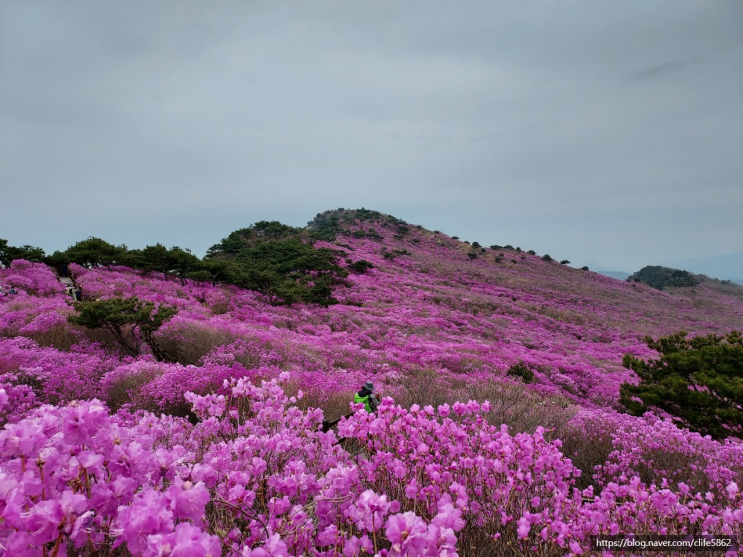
(523, 409)
(103, 338)
(514, 404)
(127, 390)
(222, 306)
(587, 450)
(61, 337)
(423, 386)
(188, 343)
(333, 405)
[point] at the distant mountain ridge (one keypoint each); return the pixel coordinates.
(723, 267)
(619, 275)
(666, 278)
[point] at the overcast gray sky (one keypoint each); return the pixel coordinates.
(595, 131)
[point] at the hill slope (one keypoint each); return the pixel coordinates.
(431, 302)
(431, 321)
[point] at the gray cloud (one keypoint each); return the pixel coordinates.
(592, 131)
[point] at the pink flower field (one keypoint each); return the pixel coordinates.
(223, 453)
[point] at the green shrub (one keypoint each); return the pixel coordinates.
(521, 371)
(699, 381)
(360, 266)
(663, 277)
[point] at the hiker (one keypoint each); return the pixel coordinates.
(367, 397)
(78, 294)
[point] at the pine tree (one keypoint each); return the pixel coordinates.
(699, 381)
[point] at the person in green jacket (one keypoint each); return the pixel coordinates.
(367, 397)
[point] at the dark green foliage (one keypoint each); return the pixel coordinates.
(495, 247)
(394, 253)
(475, 244)
(95, 252)
(59, 261)
(472, 255)
(518, 249)
(565, 262)
(531, 252)
(698, 380)
(10, 253)
(498, 259)
(279, 262)
(455, 237)
(327, 225)
(360, 266)
(202, 276)
(546, 257)
(130, 320)
(508, 246)
(359, 233)
(245, 237)
(662, 277)
(158, 258)
(288, 271)
(269, 257)
(521, 371)
(585, 268)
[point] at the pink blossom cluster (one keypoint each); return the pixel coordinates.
(31, 278)
(655, 450)
(257, 477)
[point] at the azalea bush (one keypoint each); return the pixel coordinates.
(256, 476)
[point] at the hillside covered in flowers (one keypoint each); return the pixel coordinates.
(500, 430)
